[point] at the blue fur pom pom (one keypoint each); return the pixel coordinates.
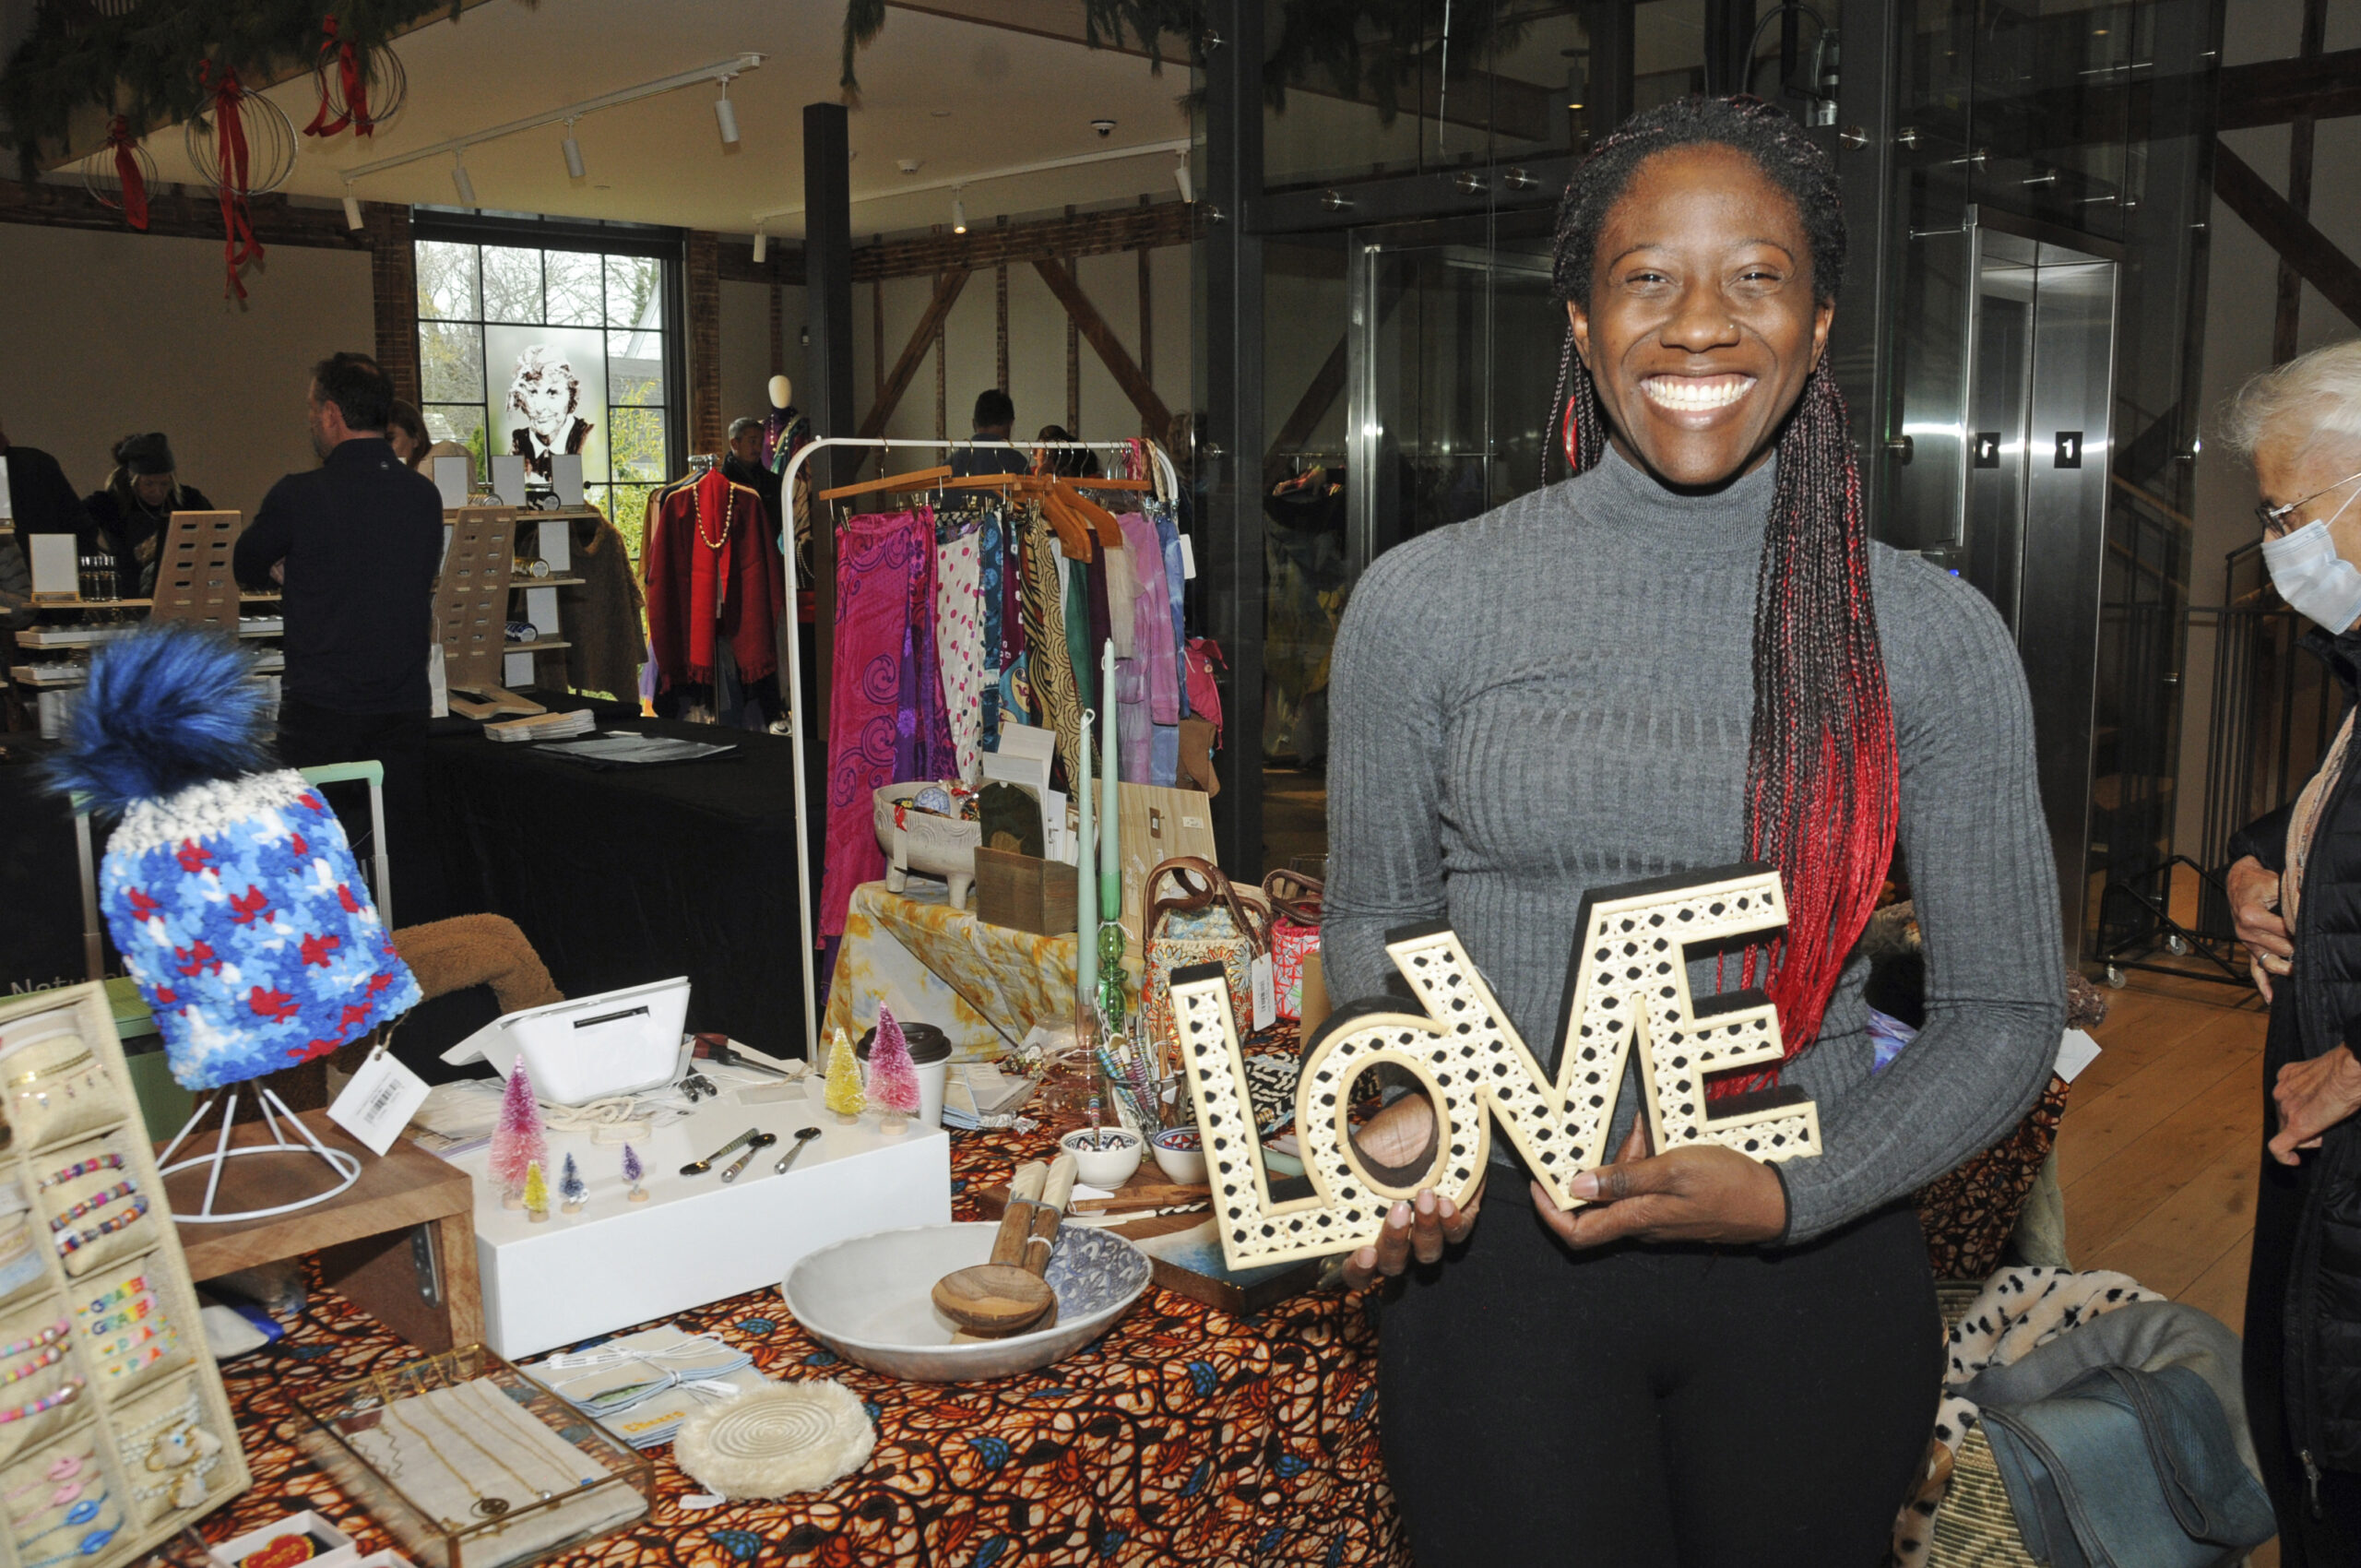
(168, 706)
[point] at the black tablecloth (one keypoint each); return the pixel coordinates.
(623, 875)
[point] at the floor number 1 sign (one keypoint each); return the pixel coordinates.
(1627, 996)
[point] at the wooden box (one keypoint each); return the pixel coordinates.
(1025, 892)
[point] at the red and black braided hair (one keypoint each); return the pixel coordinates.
(1822, 776)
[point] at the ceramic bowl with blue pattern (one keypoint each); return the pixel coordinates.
(871, 1301)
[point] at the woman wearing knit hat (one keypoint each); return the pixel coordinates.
(127, 517)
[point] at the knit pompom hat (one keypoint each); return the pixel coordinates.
(228, 884)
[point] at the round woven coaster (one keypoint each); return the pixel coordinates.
(794, 1437)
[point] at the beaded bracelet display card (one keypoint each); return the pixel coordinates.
(1627, 995)
(114, 1432)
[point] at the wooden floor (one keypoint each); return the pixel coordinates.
(2160, 1148)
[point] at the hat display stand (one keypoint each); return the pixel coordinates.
(345, 1166)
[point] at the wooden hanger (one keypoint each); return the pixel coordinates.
(917, 478)
(1110, 533)
(1110, 484)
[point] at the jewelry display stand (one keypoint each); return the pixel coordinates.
(193, 580)
(147, 1444)
(471, 611)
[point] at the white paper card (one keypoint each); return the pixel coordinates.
(508, 479)
(1188, 559)
(2076, 1052)
(451, 475)
(1266, 991)
(57, 568)
(379, 1101)
(565, 477)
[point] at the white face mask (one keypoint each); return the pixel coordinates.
(2312, 577)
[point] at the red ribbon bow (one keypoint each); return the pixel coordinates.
(126, 170)
(239, 246)
(356, 88)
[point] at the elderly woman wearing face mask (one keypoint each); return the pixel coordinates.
(2296, 888)
(128, 517)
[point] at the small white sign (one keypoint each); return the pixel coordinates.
(2075, 1051)
(1266, 991)
(379, 1101)
(508, 479)
(565, 477)
(1188, 559)
(451, 478)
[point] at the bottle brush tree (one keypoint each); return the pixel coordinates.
(893, 1076)
(518, 1140)
(843, 1095)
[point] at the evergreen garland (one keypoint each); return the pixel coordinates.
(143, 62)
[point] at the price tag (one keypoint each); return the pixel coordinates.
(1188, 559)
(1267, 993)
(379, 1101)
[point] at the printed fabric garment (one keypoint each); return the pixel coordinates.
(1168, 533)
(1151, 716)
(959, 647)
(1051, 677)
(991, 565)
(885, 602)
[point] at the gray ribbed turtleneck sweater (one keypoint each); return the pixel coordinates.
(1556, 696)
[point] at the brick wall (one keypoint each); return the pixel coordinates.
(394, 289)
(706, 431)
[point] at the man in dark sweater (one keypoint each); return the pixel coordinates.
(357, 543)
(992, 453)
(34, 498)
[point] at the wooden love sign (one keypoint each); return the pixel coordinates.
(1627, 987)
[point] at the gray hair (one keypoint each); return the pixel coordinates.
(739, 427)
(2312, 399)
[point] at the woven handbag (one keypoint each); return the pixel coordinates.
(1295, 931)
(1207, 922)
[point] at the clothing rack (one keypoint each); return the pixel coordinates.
(791, 661)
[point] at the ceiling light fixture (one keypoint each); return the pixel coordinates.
(460, 181)
(719, 71)
(352, 208)
(572, 150)
(958, 210)
(1180, 178)
(762, 247)
(960, 182)
(726, 115)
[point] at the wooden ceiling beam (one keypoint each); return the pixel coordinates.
(889, 394)
(2273, 93)
(182, 212)
(1102, 338)
(2313, 256)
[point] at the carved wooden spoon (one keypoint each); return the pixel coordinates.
(990, 1301)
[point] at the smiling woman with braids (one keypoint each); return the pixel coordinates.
(1688, 656)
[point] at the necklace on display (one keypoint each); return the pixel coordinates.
(697, 501)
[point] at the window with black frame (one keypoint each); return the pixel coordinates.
(535, 351)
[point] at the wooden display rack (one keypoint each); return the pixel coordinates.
(471, 611)
(94, 1420)
(194, 576)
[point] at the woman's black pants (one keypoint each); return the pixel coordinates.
(1644, 1407)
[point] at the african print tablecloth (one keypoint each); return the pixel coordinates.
(1184, 1436)
(985, 986)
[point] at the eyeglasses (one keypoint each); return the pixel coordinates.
(2274, 518)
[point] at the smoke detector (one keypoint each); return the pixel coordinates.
(907, 165)
(1104, 128)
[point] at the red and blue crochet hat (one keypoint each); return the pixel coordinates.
(228, 884)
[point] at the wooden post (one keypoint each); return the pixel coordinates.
(942, 387)
(2288, 319)
(1147, 324)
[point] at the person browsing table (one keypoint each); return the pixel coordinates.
(357, 543)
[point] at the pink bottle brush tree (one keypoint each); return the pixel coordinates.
(893, 1076)
(518, 1140)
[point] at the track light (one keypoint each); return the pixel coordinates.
(1180, 178)
(726, 115)
(352, 209)
(460, 181)
(762, 247)
(958, 212)
(573, 150)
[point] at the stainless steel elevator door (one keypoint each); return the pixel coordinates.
(2032, 519)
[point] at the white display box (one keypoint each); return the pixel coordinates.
(336, 1548)
(695, 1239)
